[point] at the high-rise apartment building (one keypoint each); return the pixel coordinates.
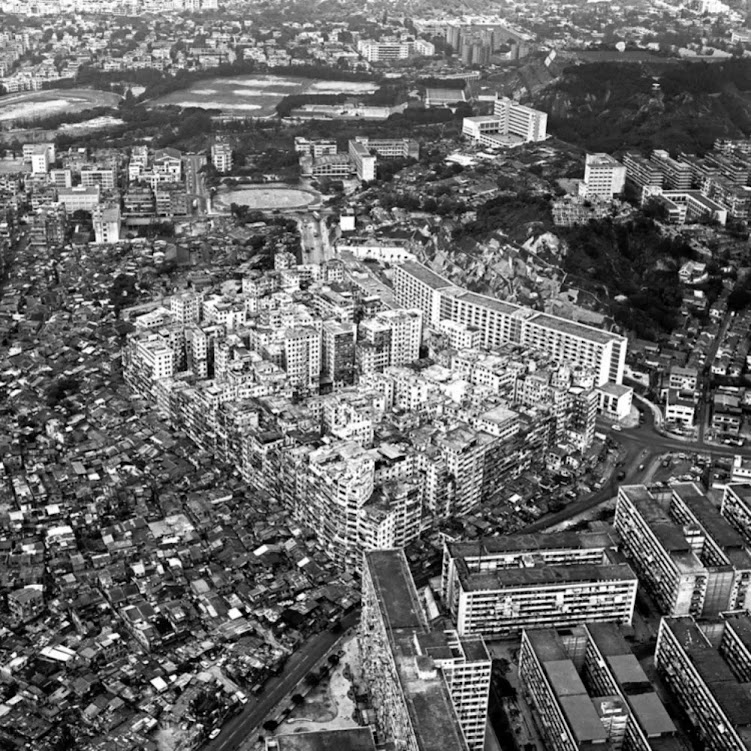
(221, 156)
(676, 174)
(736, 508)
(713, 698)
(525, 122)
(387, 51)
(504, 585)
(302, 357)
(40, 159)
(333, 485)
(363, 161)
(687, 556)
(338, 353)
(589, 690)
(604, 176)
(429, 687)
(575, 344)
(104, 178)
(393, 337)
(641, 171)
(106, 223)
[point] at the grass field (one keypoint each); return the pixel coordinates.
(29, 105)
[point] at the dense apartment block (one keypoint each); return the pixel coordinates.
(686, 554)
(676, 174)
(715, 701)
(736, 508)
(416, 286)
(429, 688)
(391, 337)
(735, 644)
(588, 690)
(503, 585)
(640, 171)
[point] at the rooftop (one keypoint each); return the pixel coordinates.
(425, 275)
(708, 515)
(395, 589)
(531, 543)
(428, 701)
(540, 575)
(351, 739)
(740, 623)
(572, 328)
(651, 713)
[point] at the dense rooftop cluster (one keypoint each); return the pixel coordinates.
(128, 555)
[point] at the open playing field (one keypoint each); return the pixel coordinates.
(255, 95)
(267, 197)
(29, 105)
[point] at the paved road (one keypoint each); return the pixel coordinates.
(313, 236)
(243, 730)
(643, 447)
(196, 187)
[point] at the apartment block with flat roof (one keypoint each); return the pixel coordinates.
(363, 161)
(567, 715)
(735, 644)
(429, 687)
(686, 555)
(641, 171)
(715, 702)
(604, 176)
(736, 508)
(676, 174)
(500, 587)
(501, 322)
(526, 122)
(588, 673)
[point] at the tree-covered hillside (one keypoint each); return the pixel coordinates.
(615, 107)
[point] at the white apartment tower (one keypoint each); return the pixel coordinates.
(106, 222)
(221, 156)
(525, 122)
(499, 322)
(302, 356)
(604, 176)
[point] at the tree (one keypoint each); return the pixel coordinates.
(66, 740)
(270, 726)
(298, 699)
